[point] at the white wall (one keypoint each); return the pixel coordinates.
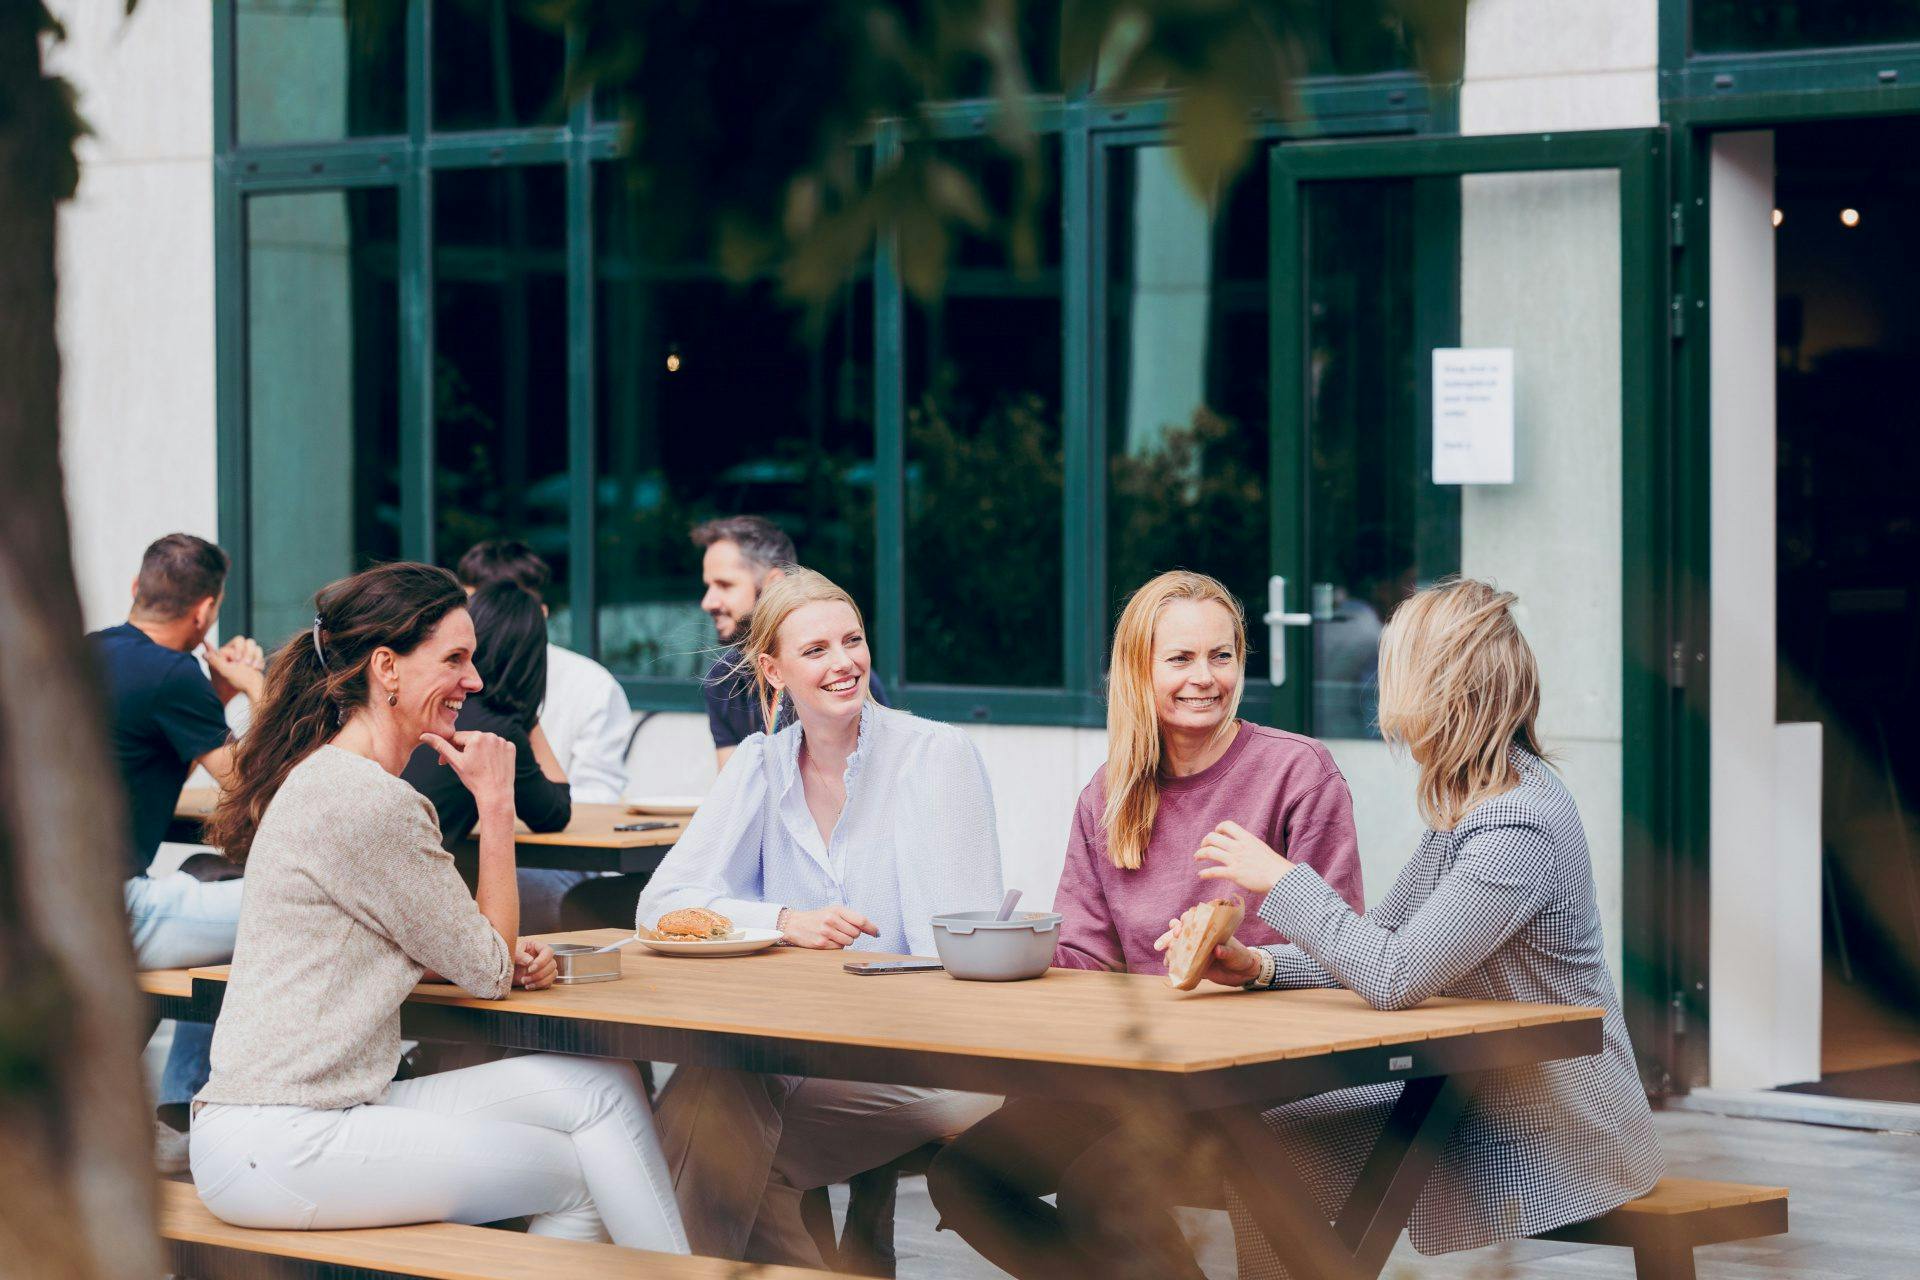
(1743, 900)
(136, 289)
(1536, 65)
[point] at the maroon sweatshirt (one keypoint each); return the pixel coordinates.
(1281, 786)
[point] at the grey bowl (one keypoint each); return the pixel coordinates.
(975, 946)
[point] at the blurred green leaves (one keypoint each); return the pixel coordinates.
(744, 119)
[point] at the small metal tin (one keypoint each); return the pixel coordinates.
(580, 963)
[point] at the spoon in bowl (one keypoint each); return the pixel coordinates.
(1006, 905)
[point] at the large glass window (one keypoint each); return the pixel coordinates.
(714, 399)
(1188, 397)
(983, 449)
(318, 70)
(418, 356)
(1764, 26)
(321, 393)
(496, 64)
(500, 365)
(1378, 527)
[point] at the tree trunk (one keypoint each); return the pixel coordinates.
(76, 1161)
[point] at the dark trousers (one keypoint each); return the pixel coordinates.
(1115, 1186)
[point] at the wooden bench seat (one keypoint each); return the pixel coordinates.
(1664, 1226)
(204, 1248)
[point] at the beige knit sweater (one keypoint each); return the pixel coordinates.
(349, 899)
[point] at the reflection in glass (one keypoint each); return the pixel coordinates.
(984, 524)
(1353, 37)
(1187, 388)
(317, 70)
(500, 365)
(1747, 26)
(1377, 526)
(322, 404)
(714, 399)
(496, 64)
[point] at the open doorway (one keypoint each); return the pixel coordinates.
(1847, 329)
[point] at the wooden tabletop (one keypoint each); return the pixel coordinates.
(792, 1009)
(588, 843)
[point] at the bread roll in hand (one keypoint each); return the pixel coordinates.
(1203, 927)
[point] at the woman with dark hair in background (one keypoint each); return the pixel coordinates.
(510, 630)
(511, 656)
(350, 900)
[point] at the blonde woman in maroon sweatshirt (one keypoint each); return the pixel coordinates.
(1181, 764)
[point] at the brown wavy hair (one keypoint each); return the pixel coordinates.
(318, 678)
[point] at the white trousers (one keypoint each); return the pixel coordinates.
(744, 1147)
(567, 1140)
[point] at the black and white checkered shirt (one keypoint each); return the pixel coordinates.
(1500, 908)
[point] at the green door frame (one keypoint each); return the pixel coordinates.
(1650, 698)
(1826, 86)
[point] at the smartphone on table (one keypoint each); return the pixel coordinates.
(868, 968)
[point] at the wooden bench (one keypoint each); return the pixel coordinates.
(204, 1248)
(169, 992)
(1664, 1226)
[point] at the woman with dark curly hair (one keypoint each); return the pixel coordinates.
(350, 900)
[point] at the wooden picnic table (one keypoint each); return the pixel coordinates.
(1215, 1056)
(589, 842)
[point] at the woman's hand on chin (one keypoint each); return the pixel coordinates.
(484, 763)
(1238, 855)
(1233, 964)
(827, 928)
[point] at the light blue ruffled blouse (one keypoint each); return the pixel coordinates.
(915, 839)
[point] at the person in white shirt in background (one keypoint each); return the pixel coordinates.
(585, 717)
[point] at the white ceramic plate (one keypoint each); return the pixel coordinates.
(743, 942)
(666, 806)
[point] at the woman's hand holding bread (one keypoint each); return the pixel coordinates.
(826, 929)
(1242, 857)
(1233, 963)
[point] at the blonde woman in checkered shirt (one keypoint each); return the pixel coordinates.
(1497, 903)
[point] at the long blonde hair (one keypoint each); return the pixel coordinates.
(1458, 687)
(1134, 748)
(778, 599)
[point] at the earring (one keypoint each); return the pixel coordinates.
(393, 699)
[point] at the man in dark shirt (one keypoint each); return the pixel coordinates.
(740, 556)
(166, 716)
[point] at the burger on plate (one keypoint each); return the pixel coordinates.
(693, 924)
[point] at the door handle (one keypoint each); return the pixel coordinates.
(1278, 620)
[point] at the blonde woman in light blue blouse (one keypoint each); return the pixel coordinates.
(850, 828)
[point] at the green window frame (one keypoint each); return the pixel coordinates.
(1857, 80)
(410, 162)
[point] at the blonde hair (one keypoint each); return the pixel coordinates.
(778, 599)
(1133, 725)
(1458, 687)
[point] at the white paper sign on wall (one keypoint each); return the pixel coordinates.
(1473, 415)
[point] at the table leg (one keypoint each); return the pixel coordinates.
(1398, 1167)
(1356, 1246)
